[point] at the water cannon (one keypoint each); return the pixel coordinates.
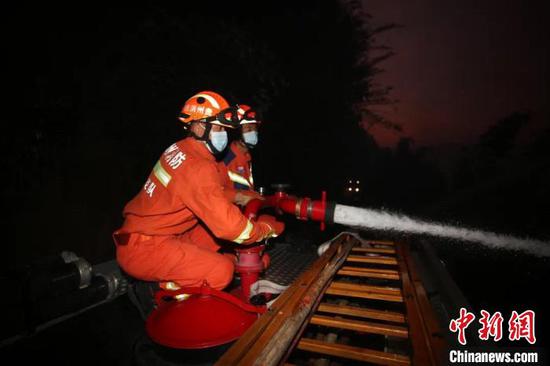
(251, 260)
(303, 208)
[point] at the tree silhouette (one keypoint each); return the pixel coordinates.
(110, 86)
(500, 138)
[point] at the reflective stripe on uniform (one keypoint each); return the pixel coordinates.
(245, 235)
(170, 286)
(182, 297)
(161, 174)
(271, 233)
(238, 179)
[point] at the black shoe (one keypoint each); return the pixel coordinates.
(142, 295)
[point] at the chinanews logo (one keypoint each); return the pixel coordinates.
(519, 326)
(494, 327)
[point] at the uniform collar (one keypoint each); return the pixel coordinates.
(239, 151)
(197, 147)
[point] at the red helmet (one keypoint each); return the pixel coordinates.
(209, 107)
(247, 114)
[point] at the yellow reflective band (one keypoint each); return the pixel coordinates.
(171, 286)
(238, 178)
(271, 233)
(182, 297)
(161, 174)
(245, 235)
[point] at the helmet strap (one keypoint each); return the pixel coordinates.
(206, 138)
(213, 149)
(205, 135)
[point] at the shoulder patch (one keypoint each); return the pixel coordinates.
(173, 156)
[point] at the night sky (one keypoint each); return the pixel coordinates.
(462, 65)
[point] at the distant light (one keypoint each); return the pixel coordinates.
(349, 189)
(350, 181)
(356, 189)
(357, 182)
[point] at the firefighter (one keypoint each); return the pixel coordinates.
(162, 237)
(236, 166)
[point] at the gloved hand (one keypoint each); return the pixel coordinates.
(242, 197)
(265, 227)
(275, 227)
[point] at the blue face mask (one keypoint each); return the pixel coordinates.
(218, 141)
(250, 138)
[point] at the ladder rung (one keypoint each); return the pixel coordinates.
(360, 326)
(371, 270)
(380, 242)
(362, 312)
(352, 353)
(371, 259)
(363, 294)
(366, 274)
(374, 250)
(369, 288)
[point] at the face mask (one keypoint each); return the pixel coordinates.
(218, 140)
(250, 138)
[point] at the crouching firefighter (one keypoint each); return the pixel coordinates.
(163, 235)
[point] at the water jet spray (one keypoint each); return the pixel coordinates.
(365, 218)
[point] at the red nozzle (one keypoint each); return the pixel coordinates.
(303, 208)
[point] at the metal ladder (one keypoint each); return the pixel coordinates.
(366, 288)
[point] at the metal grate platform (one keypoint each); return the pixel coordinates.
(288, 262)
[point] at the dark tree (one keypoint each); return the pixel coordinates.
(500, 138)
(103, 88)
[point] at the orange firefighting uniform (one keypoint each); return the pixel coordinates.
(236, 171)
(165, 235)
